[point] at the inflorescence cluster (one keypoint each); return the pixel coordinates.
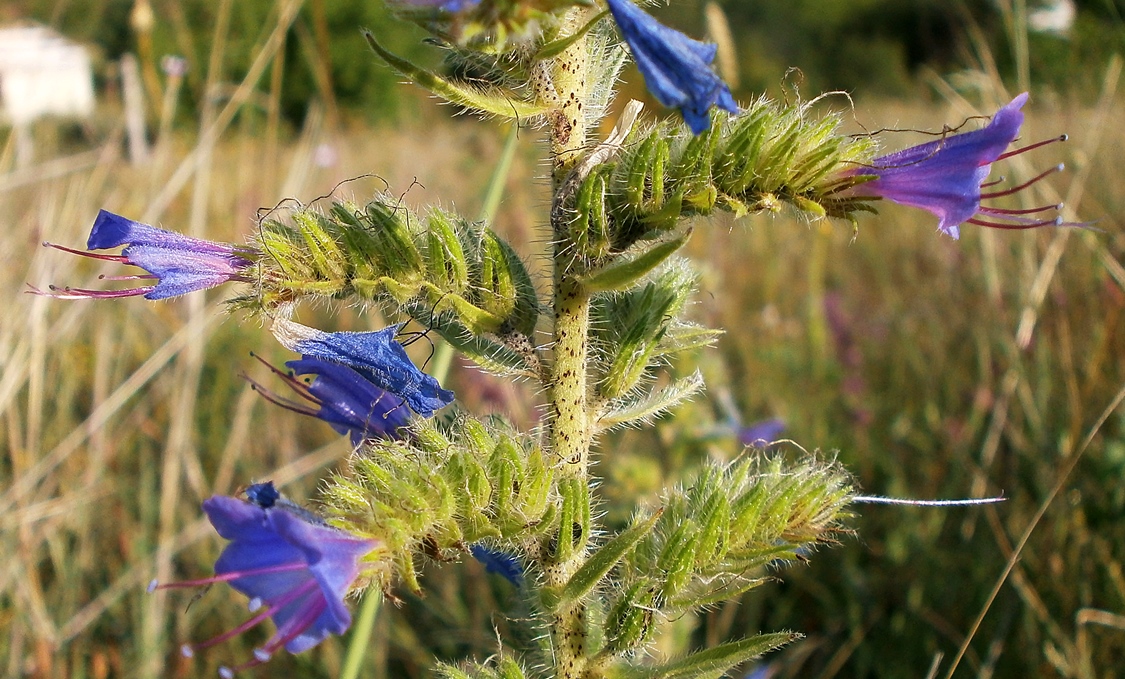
(521, 502)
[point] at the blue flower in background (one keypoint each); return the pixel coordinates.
(452, 6)
(946, 177)
(180, 264)
(344, 399)
(677, 69)
(761, 434)
(500, 563)
(299, 570)
(376, 356)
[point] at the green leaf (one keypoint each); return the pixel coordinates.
(654, 404)
(629, 268)
(601, 562)
(556, 47)
(717, 661)
(506, 107)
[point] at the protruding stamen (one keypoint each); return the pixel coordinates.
(226, 673)
(152, 586)
(80, 293)
(296, 626)
(1057, 221)
(233, 575)
(255, 604)
(86, 253)
(187, 651)
(295, 384)
(230, 634)
(135, 277)
(261, 655)
(1015, 189)
(1025, 149)
(1028, 211)
(280, 400)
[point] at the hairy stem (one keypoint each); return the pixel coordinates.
(570, 422)
(568, 80)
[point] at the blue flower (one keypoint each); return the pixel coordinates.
(374, 355)
(298, 568)
(179, 264)
(761, 434)
(946, 176)
(346, 400)
(452, 6)
(500, 563)
(677, 69)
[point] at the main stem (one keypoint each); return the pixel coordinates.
(570, 422)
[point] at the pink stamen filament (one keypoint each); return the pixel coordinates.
(294, 628)
(1025, 149)
(281, 400)
(257, 619)
(1021, 187)
(136, 277)
(85, 253)
(82, 293)
(295, 384)
(233, 575)
(1028, 211)
(229, 634)
(1016, 227)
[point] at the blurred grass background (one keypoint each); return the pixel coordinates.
(935, 368)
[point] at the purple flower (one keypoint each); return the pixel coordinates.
(298, 568)
(179, 264)
(946, 176)
(452, 6)
(677, 69)
(498, 562)
(344, 399)
(374, 355)
(761, 434)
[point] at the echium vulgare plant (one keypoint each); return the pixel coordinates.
(593, 338)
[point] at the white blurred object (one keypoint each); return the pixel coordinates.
(41, 74)
(1055, 17)
(325, 155)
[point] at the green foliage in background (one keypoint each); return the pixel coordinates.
(867, 47)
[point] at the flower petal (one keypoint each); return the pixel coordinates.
(374, 355)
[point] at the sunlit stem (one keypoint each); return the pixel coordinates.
(568, 73)
(570, 417)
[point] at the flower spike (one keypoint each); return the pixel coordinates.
(376, 356)
(946, 177)
(292, 566)
(677, 69)
(346, 400)
(179, 264)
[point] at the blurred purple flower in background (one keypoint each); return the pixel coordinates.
(298, 569)
(761, 434)
(946, 177)
(444, 5)
(677, 69)
(180, 264)
(344, 399)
